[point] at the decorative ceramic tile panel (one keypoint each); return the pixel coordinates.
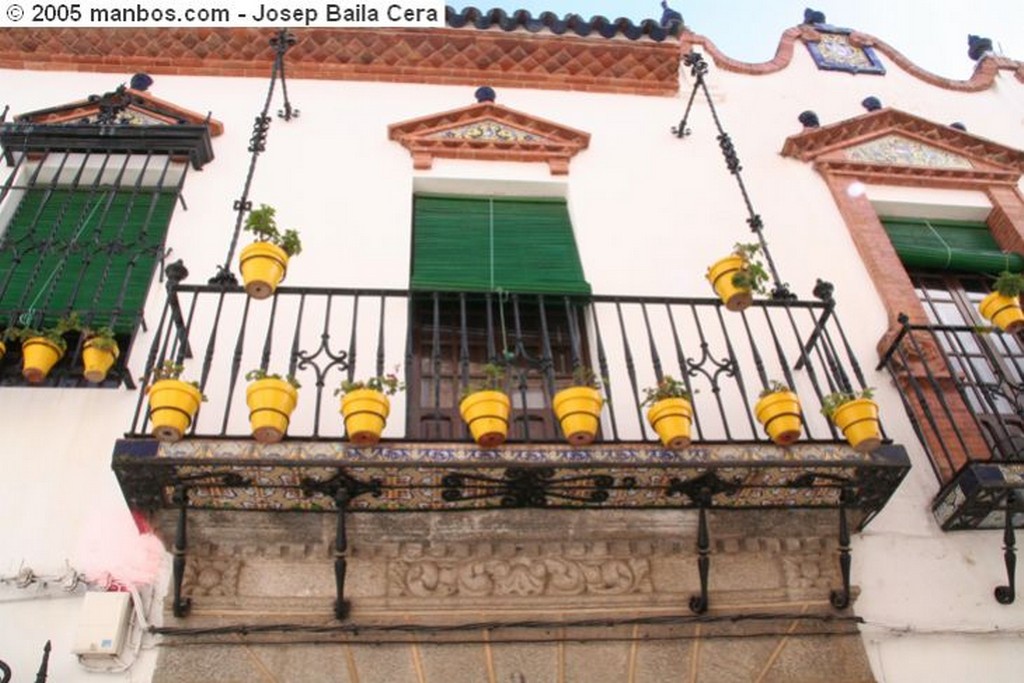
(835, 52)
(488, 130)
(900, 151)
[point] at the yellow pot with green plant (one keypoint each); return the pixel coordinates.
(271, 400)
(1002, 307)
(736, 277)
(670, 412)
(778, 411)
(173, 402)
(365, 406)
(485, 408)
(578, 408)
(41, 349)
(264, 263)
(99, 353)
(856, 415)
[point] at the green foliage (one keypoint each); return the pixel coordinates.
(388, 384)
(584, 376)
(752, 275)
(1009, 284)
(834, 401)
(774, 387)
(493, 380)
(101, 338)
(668, 387)
(260, 373)
(53, 334)
(262, 224)
(171, 370)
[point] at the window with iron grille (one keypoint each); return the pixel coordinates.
(495, 279)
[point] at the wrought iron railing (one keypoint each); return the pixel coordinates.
(442, 340)
(963, 388)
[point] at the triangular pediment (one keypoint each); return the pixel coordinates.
(489, 131)
(123, 106)
(893, 142)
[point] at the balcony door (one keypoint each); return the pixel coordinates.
(988, 368)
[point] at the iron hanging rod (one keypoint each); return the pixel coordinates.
(281, 42)
(699, 69)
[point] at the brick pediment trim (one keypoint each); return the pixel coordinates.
(490, 132)
(977, 160)
(123, 106)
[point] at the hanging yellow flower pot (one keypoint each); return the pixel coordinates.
(365, 412)
(263, 267)
(486, 413)
(671, 419)
(173, 405)
(39, 355)
(98, 355)
(271, 401)
(578, 410)
(720, 275)
(3, 349)
(856, 415)
(1003, 311)
(779, 413)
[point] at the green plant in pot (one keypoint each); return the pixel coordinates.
(856, 415)
(486, 407)
(738, 276)
(365, 406)
(578, 408)
(264, 263)
(271, 399)
(173, 402)
(1002, 306)
(670, 412)
(99, 353)
(41, 349)
(778, 410)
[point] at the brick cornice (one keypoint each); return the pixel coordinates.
(438, 56)
(535, 140)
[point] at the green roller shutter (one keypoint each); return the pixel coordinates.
(86, 251)
(491, 244)
(948, 245)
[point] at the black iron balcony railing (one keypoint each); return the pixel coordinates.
(442, 340)
(963, 388)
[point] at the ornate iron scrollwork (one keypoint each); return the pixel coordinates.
(522, 487)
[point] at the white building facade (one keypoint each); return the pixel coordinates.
(560, 224)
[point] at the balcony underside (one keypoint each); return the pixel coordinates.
(977, 497)
(304, 475)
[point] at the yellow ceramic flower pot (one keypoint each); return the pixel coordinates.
(39, 355)
(1003, 311)
(3, 350)
(97, 362)
(858, 421)
(671, 418)
(263, 267)
(365, 412)
(578, 410)
(779, 412)
(173, 405)
(720, 276)
(486, 413)
(271, 402)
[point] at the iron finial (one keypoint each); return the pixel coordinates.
(871, 103)
(485, 93)
(813, 16)
(809, 119)
(978, 47)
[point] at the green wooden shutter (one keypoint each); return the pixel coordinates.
(87, 251)
(948, 245)
(490, 244)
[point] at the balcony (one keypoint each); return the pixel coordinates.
(963, 388)
(427, 461)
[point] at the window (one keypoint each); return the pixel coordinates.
(497, 279)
